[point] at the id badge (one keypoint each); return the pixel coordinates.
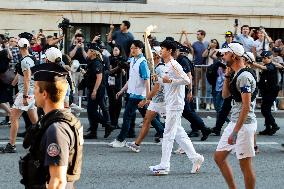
(111, 80)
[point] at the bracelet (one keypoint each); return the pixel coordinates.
(25, 96)
(235, 135)
(227, 76)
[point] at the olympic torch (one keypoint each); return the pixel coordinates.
(148, 51)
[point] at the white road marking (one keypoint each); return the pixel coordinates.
(152, 143)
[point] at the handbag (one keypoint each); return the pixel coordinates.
(7, 77)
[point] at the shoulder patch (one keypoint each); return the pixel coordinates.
(53, 150)
(246, 89)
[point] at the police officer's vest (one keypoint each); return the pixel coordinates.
(268, 82)
(235, 93)
(37, 153)
(18, 66)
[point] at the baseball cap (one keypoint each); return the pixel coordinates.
(23, 42)
(266, 53)
(249, 56)
(52, 54)
(235, 48)
(276, 49)
(229, 34)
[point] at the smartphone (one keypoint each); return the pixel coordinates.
(236, 22)
(55, 35)
(40, 30)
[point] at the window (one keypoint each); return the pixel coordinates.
(104, 1)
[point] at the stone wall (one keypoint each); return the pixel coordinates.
(171, 17)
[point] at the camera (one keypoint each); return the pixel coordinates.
(65, 24)
(121, 62)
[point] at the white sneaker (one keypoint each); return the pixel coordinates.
(179, 151)
(133, 146)
(117, 144)
(197, 164)
(207, 107)
(158, 170)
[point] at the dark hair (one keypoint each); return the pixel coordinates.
(49, 36)
(79, 35)
(218, 46)
(168, 44)
(245, 26)
(202, 32)
(2, 36)
(155, 43)
(138, 43)
(170, 38)
(121, 50)
(126, 23)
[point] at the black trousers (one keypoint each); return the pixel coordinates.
(94, 116)
(223, 113)
(190, 115)
(267, 102)
(114, 104)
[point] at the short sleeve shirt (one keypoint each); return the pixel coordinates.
(94, 67)
(79, 54)
(124, 40)
(247, 42)
(26, 64)
(259, 46)
(57, 142)
(159, 97)
(199, 48)
(245, 84)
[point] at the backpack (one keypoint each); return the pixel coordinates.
(211, 73)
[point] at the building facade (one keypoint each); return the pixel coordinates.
(171, 16)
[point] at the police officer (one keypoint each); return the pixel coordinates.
(269, 88)
(96, 93)
(56, 143)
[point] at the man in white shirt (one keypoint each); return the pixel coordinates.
(174, 82)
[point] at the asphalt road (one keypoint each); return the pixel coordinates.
(108, 168)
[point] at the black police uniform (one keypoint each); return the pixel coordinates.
(269, 88)
(188, 112)
(95, 67)
(57, 140)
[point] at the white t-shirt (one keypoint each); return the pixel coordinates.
(259, 46)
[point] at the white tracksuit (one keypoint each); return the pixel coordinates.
(174, 98)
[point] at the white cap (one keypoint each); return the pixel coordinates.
(52, 54)
(235, 48)
(249, 56)
(23, 42)
(157, 50)
(75, 65)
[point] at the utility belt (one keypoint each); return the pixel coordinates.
(33, 172)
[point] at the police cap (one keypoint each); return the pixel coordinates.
(50, 72)
(266, 53)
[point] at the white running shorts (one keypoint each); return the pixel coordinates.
(244, 146)
(18, 103)
(160, 108)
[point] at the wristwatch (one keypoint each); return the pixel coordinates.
(25, 96)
